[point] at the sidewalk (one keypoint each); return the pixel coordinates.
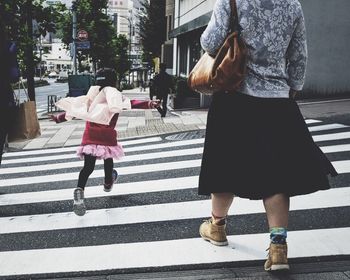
(131, 124)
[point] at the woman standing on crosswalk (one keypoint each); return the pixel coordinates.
(100, 108)
(257, 144)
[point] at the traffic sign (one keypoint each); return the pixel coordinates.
(82, 35)
(82, 45)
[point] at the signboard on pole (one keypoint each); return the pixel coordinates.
(84, 45)
(82, 35)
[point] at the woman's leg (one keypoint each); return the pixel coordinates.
(221, 203)
(214, 229)
(277, 210)
(89, 166)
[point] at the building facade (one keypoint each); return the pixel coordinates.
(328, 35)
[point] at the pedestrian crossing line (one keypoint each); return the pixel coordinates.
(332, 136)
(126, 150)
(74, 148)
(191, 251)
(325, 149)
(335, 148)
(74, 164)
(149, 186)
(166, 166)
(327, 127)
(341, 167)
(311, 121)
(338, 197)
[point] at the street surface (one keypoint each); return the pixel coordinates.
(149, 222)
(42, 93)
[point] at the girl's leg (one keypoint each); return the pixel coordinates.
(108, 167)
(89, 166)
(110, 175)
(79, 203)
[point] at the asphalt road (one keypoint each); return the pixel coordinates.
(149, 223)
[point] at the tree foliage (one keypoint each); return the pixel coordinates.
(152, 28)
(15, 15)
(104, 42)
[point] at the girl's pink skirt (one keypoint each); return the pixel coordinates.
(100, 151)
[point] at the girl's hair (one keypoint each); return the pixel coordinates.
(106, 77)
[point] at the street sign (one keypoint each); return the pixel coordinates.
(82, 35)
(85, 45)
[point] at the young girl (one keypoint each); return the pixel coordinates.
(100, 107)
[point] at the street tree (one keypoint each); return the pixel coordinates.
(152, 27)
(92, 17)
(19, 16)
(123, 64)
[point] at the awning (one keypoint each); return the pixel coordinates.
(191, 25)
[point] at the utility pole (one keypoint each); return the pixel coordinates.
(74, 35)
(130, 36)
(29, 51)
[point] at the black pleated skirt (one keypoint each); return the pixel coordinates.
(256, 147)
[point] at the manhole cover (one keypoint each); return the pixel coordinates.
(186, 135)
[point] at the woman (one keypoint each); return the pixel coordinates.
(267, 151)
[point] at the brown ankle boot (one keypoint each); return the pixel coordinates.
(215, 234)
(277, 258)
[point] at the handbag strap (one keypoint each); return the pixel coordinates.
(234, 14)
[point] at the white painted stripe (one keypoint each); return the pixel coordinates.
(95, 191)
(327, 127)
(336, 148)
(323, 101)
(126, 150)
(191, 251)
(69, 149)
(338, 197)
(311, 121)
(74, 164)
(100, 173)
(331, 136)
(341, 167)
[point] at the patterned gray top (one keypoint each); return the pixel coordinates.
(274, 31)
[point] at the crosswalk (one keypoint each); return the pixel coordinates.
(150, 220)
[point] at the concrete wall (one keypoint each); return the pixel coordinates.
(328, 36)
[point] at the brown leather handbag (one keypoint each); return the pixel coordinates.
(225, 71)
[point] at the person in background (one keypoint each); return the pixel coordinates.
(257, 144)
(163, 84)
(100, 108)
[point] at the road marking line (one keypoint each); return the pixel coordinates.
(191, 251)
(95, 191)
(338, 197)
(341, 167)
(327, 127)
(100, 173)
(126, 150)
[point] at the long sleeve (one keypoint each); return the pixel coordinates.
(114, 99)
(218, 27)
(297, 56)
(140, 104)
